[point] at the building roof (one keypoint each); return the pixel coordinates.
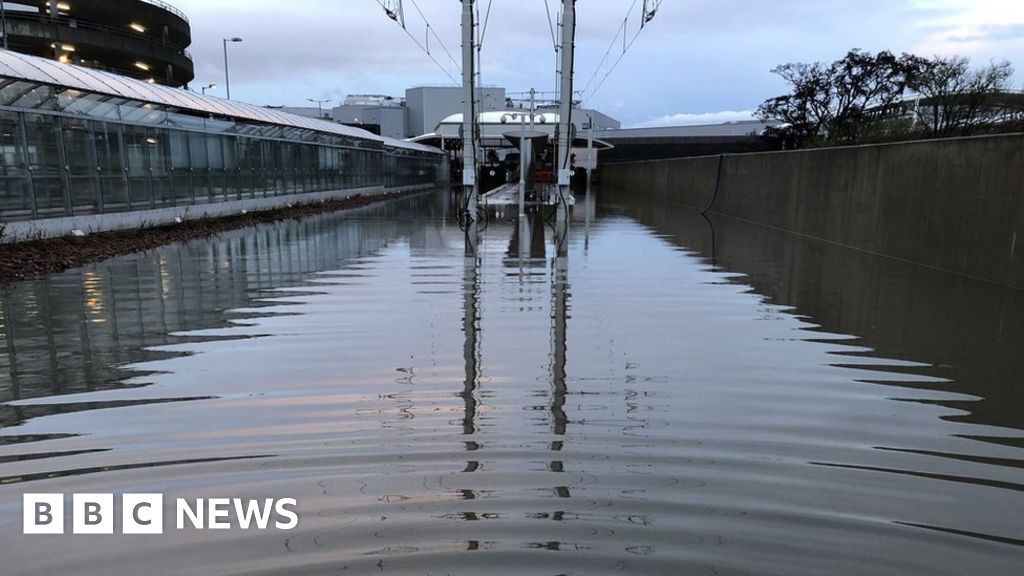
(744, 128)
(46, 71)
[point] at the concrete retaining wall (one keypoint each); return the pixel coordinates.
(55, 227)
(954, 204)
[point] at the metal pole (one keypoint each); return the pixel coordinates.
(522, 168)
(565, 110)
(533, 95)
(227, 75)
(319, 105)
(591, 159)
(528, 178)
(3, 22)
(54, 13)
(469, 182)
(591, 201)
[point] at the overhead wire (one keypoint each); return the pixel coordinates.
(612, 69)
(551, 25)
(421, 46)
(620, 30)
(438, 38)
(483, 32)
(645, 17)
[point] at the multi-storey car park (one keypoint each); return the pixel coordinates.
(144, 39)
(76, 141)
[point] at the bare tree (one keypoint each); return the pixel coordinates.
(837, 103)
(805, 112)
(957, 100)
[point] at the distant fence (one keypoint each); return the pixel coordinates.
(953, 204)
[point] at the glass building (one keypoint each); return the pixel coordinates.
(76, 141)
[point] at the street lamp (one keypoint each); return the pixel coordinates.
(227, 76)
(208, 87)
(320, 105)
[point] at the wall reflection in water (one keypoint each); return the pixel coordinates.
(967, 331)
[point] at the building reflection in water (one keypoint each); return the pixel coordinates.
(74, 332)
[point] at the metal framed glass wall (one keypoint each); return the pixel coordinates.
(66, 152)
(406, 167)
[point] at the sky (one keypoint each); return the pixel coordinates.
(696, 62)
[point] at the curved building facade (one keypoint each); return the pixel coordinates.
(90, 149)
(143, 39)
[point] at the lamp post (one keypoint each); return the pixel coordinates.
(227, 75)
(319, 105)
(208, 87)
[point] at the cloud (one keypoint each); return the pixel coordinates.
(695, 55)
(309, 49)
(992, 32)
(989, 29)
(686, 119)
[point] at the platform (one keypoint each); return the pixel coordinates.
(508, 194)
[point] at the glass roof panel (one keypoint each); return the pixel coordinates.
(80, 79)
(182, 99)
(128, 89)
(15, 67)
(21, 66)
(212, 104)
(49, 70)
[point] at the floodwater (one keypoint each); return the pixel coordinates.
(660, 394)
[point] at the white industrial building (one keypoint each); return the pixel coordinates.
(424, 108)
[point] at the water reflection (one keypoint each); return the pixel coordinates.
(471, 351)
(597, 399)
(75, 332)
(966, 332)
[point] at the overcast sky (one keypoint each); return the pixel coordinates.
(698, 61)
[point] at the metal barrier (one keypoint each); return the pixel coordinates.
(75, 23)
(167, 7)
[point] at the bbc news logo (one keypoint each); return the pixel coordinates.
(144, 514)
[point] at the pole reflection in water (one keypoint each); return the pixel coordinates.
(559, 345)
(471, 330)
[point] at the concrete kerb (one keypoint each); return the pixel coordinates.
(20, 231)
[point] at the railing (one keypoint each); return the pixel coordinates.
(167, 7)
(76, 24)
